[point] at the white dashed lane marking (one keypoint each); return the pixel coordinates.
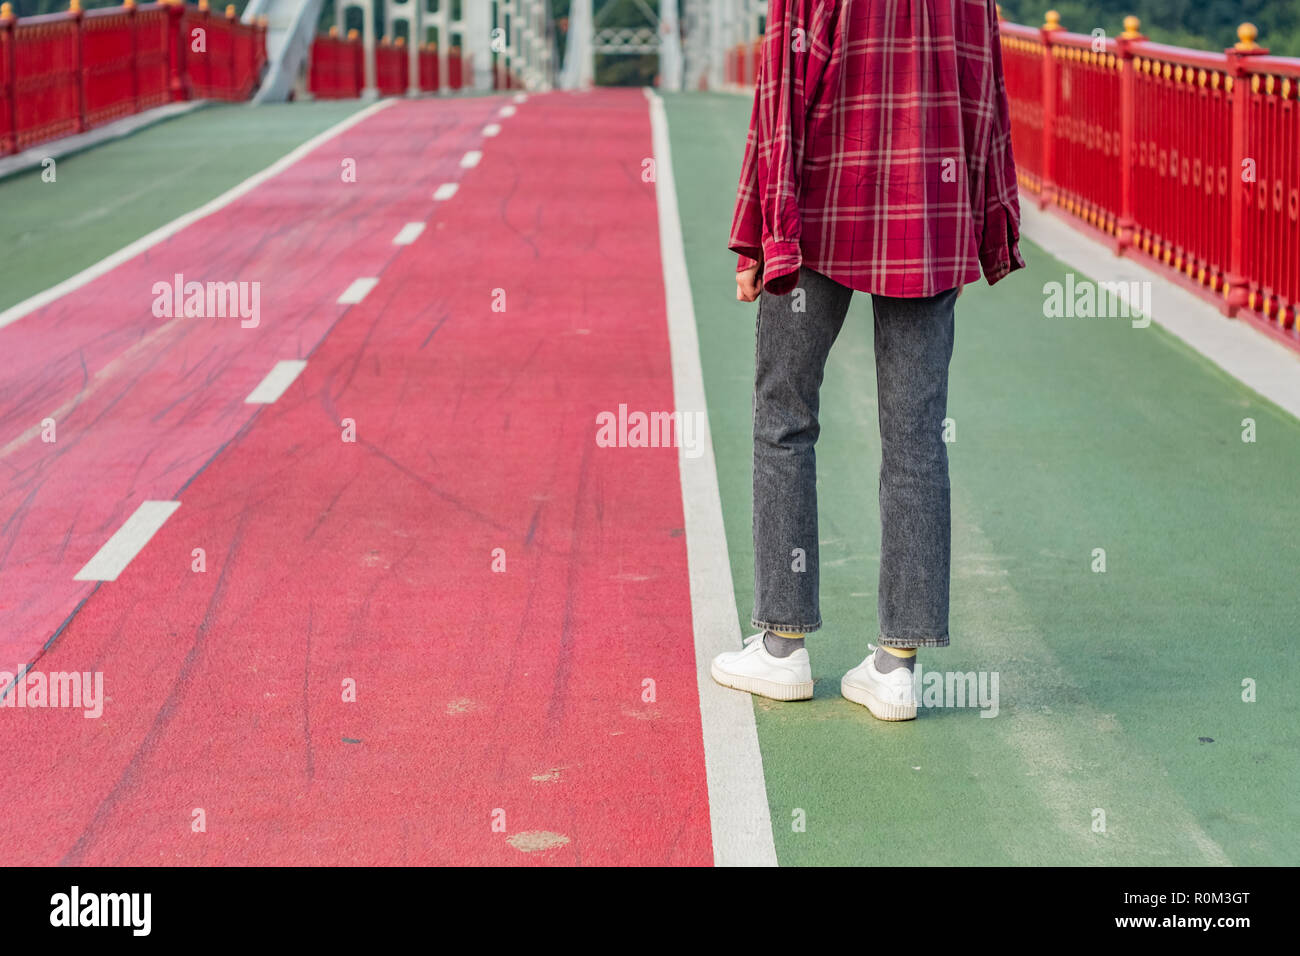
(445, 191)
(408, 234)
(357, 291)
(118, 551)
(276, 381)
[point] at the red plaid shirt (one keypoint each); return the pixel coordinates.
(879, 150)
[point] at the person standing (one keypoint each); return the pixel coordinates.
(878, 160)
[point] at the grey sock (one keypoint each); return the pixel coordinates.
(779, 646)
(886, 662)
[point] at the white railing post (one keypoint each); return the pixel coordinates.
(370, 90)
(475, 27)
(670, 47)
(407, 11)
(579, 58)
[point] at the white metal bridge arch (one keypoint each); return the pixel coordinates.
(519, 34)
(658, 33)
(692, 51)
(691, 38)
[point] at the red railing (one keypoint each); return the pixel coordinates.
(65, 73)
(429, 69)
(742, 62)
(392, 68)
(455, 69)
(1188, 158)
(504, 79)
(229, 67)
(337, 68)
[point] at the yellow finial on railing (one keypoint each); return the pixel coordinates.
(129, 4)
(230, 11)
(334, 32)
(203, 6)
(1053, 21)
(1246, 34)
(6, 11)
(400, 41)
(74, 6)
(353, 33)
(1131, 28)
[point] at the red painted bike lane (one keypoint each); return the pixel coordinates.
(141, 403)
(509, 600)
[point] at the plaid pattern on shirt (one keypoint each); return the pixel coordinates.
(879, 149)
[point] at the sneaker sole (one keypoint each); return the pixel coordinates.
(803, 690)
(879, 709)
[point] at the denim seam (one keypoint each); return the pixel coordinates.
(905, 642)
(792, 628)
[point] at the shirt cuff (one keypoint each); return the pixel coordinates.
(998, 264)
(781, 262)
(745, 262)
(1000, 256)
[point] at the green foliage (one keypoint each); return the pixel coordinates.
(1200, 24)
(31, 8)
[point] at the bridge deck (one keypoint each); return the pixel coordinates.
(474, 369)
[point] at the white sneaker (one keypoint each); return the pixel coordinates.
(757, 671)
(888, 696)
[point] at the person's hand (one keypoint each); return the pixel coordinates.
(749, 284)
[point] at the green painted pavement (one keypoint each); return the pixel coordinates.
(107, 197)
(1071, 435)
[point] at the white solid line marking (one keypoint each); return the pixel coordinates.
(277, 380)
(126, 253)
(408, 234)
(506, 111)
(117, 552)
(357, 291)
(1250, 356)
(470, 159)
(521, 97)
(738, 811)
(446, 191)
(491, 129)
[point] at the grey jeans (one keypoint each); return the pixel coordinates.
(913, 339)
